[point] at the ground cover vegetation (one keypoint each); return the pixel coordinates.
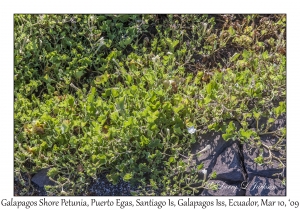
(127, 95)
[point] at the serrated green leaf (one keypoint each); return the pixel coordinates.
(171, 159)
(235, 57)
(102, 159)
(114, 178)
(256, 115)
(271, 120)
(245, 134)
(127, 177)
(209, 88)
(177, 130)
(231, 31)
(213, 175)
(64, 128)
(259, 160)
(120, 104)
(200, 166)
(79, 74)
(226, 136)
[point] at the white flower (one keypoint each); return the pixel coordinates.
(204, 171)
(169, 53)
(192, 130)
(204, 26)
(101, 41)
(154, 59)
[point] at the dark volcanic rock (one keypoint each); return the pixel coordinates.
(279, 123)
(209, 157)
(102, 187)
(264, 186)
(229, 165)
(234, 165)
(23, 181)
(232, 161)
(265, 170)
(224, 189)
(224, 158)
(41, 179)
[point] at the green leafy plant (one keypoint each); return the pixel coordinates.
(127, 95)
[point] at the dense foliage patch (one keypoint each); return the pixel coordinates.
(127, 95)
